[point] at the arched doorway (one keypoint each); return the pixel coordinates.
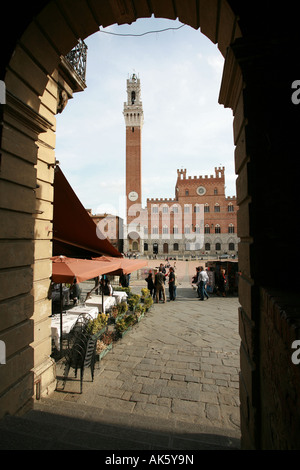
(28, 142)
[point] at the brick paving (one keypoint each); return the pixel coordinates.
(176, 369)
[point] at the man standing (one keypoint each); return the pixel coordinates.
(202, 281)
(172, 284)
(160, 285)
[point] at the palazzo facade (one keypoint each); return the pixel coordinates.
(199, 220)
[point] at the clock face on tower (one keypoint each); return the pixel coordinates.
(133, 195)
(201, 190)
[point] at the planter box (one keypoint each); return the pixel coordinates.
(123, 333)
(118, 317)
(99, 333)
(140, 317)
(105, 351)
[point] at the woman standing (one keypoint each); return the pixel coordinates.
(150, 284)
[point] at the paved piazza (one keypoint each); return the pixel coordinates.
(176, 370)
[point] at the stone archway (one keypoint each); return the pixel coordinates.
(256, 69)
(32, 84)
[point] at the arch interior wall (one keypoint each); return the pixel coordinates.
(257, 68)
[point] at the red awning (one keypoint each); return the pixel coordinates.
(74, 231)
(127, 266)
(65, 269)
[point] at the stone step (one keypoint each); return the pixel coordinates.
(58, 425)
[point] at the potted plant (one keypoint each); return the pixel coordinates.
(114, 313)
(139, 312)
(146, 298)
(123, 289)
(148, 301)
(104, 345)
(122, 307)
(97, 326)
(123, 325)
(133, 300)
(145, 293)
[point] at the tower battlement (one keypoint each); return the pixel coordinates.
(219, 173)
(160, 200)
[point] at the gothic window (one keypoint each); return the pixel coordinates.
(186, 208)
(165, 229)
(207, 246)
(206, 229)
(175, 209)
(231, 246)
(146, 246)
(218, 246)
(217, 229)
(175, 247)
(230, 208)
(206, 208)
(196, 208)
(217, 207)
(154, 210)
(186, 192)
(132, 97)
(230, 228)
(155, 230)
(165, 209)
(215, 191)
(175, 229)
(187, 229)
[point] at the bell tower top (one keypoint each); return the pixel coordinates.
(133, 108)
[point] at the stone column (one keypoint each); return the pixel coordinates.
(256, 84)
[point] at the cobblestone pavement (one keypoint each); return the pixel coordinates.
(177, 368)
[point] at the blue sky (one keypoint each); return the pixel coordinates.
(184, 126)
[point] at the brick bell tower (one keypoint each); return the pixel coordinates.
(134, 119)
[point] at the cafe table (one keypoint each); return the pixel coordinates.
(96, 301)
(120, 296)
(69, 318)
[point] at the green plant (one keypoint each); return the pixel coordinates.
(148, 301)
(125, 322)
(146, 298)
(133, 300)
(145, 293)
(139, 309)
(114, 311)
(122, 307)
(121, 326)
(107, 338)
(123, 289)
(97, 324)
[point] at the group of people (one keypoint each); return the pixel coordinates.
(201, 280)
(156, 284)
